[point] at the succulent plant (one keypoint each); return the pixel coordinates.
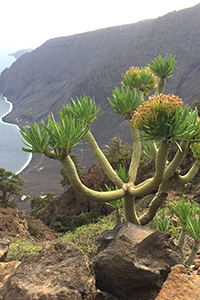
(156, 122)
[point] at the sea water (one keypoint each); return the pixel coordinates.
(12, 158)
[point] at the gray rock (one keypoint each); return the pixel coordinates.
(4, 245)
(58, 272)
(133, 261)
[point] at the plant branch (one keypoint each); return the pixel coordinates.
(104, 163)
(193, 253)
(153, 183)
(156, 202)
(191, 173)
(135, 161)
(85, 192)
(178, 158)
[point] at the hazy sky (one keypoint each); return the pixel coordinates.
(28, 23)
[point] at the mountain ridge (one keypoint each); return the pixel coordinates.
(91, 63)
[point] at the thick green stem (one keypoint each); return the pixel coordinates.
(193, 253)
(181, 239)
(84, 191)
(135, 161)
(130, 211)
(178, 158)
(104, 163)
(153, 183)
(191, 173)
(156, 202)
(161, 85)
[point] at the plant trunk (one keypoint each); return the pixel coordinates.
(118, 218)
(181, 239)
(161, 85)
(130, 211)
(193, 253)
(135, 161)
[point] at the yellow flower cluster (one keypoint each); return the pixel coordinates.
(158, 105)
(133, 71)
(142, 79)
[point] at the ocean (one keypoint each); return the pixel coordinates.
(12, 158)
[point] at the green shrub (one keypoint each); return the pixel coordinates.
(65, 223)
(20, 249)
(84, 237)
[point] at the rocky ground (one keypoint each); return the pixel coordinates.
(55, 260)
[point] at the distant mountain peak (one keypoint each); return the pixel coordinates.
(20, 53)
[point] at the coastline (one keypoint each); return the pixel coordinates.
(17, 127)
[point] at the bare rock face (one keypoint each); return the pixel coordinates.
(182, 283)
(4, 245)
(13, 223)
(6, 269)
(134, 261)
(58, 272)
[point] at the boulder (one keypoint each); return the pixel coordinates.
(59, 271)
(4, 245)
(13, 223)
(134, 261)
(6, 269)
(182, 284)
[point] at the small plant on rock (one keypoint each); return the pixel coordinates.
(183, 210)
(161, 223)
(193, 230)
(158, 121)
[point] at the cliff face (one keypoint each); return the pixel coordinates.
(42, 81)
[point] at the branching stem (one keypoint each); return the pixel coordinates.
(104, 163)
(84, 191)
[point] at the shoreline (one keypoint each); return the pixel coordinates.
(1, 121)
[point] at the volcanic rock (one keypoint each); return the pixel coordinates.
(59, 271)
(134, 261)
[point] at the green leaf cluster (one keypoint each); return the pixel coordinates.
(60, 138)
(125, 101)
(122, 173)
(64, 136)
(83, 110)
(193, 227)
(161, 223)
(147, 149)
(35, 138)
(163, 66)
(183, 209)
(143, 80)
(116, 204)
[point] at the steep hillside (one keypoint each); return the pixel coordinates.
(45, 78)
(42, 81)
